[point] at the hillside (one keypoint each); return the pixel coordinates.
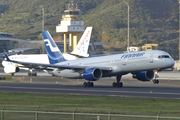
(151, 21)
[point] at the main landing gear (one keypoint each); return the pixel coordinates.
(156, 81)
(118, 83)
(31, 73)
(88, 84)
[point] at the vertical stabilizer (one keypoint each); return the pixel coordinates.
(53, 52)
(83, 44)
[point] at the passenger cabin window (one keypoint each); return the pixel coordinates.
(164, 56)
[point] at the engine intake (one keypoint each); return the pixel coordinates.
(92, 74)
(144, 75)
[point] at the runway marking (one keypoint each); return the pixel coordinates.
(170, 84)
(69, 84)
(87, 90)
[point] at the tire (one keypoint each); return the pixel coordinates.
(35, 74)
(157, 82)
(29, 74)
(85, 84)
(88, 84)
(114, 84)
(120, 84)
(92, 84)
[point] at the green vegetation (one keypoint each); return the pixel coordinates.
(151, 21)
(86, 104)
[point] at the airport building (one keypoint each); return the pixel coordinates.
(7, 42)
(13, 45)
(71, 25)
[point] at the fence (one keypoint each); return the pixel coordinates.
(43, 115)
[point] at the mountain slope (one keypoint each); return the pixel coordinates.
(151, 21)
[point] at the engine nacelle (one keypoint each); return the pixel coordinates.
(11, 69)
(144, 75)
(92, 74)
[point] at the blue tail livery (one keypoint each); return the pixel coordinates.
(53, 52)
(6, 56)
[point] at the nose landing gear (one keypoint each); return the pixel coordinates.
(31, 73)
(156, 81)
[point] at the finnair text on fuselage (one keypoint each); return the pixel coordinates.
(133, 55)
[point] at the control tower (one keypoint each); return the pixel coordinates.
(71, 24)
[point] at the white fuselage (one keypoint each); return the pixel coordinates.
(33, 58)
(120, 63)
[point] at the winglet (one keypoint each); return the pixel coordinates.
(7, 58)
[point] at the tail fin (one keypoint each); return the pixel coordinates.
(6, 56)
(83, 44)
(53, 52)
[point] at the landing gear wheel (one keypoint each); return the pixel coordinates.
(118, 83)
(12, 74)
(114, 84)
(29, 74)
(92, 84)
(85, 84)
(88, 84)
(155, 81)
(35, 74)
(32, 74)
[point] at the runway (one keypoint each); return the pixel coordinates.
(169, 86)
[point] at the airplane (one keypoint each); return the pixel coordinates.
(80, 51)
(140, 64)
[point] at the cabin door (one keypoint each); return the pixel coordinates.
(151, 58)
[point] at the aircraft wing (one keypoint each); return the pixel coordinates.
(46, 66)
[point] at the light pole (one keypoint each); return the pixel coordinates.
(42, 28)
(179, 29)
(167, 46)
(128, 27)
(42, 18)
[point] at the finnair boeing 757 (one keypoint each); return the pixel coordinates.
(80, 51)
(140, 64)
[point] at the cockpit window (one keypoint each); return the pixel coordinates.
(164, 56)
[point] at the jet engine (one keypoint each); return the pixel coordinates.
(144, 75)
(92, 74)
(11, 69)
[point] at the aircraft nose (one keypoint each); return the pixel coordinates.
(170, 62)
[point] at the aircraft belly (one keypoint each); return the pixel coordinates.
(67, 74)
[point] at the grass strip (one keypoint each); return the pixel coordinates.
(89, 104)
